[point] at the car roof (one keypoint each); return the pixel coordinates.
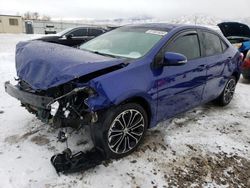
(166, 26)
(160, 26)
(90, 27)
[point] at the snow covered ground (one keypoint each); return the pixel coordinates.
(206, 147)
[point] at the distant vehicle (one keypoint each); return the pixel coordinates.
(74, 36)
(50, 29)
(126, 80)
(237, 34)
(246, 66)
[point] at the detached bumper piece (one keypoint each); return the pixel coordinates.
(66, 163)
(28, 98)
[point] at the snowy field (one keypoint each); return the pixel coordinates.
(206, 147)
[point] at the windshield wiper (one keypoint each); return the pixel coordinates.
(99, 53)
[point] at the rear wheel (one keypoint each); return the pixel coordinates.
(228, 92)
(120, 130)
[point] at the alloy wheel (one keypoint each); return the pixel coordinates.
(126, 131)
(229, 90)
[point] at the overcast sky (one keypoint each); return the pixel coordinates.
(103, 9)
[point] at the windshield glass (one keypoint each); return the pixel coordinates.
(129, 42)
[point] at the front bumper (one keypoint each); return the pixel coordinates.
(26, 97)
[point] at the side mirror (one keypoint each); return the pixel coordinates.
(69, 36)
(174, 59)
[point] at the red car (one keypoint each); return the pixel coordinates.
(246, 67)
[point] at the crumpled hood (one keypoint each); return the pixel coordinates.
(44, 65)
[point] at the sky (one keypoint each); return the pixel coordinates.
(110, 9)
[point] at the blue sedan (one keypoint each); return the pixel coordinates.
(126, 80)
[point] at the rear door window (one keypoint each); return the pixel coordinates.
(187, 45)
(212, 44)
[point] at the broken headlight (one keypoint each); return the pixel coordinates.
(54, 108)
(71, 100)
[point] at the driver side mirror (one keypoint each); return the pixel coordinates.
(174, 59)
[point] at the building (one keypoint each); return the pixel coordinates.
(11, 24)
(15, 24)
(49, 27)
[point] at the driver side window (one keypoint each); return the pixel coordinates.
(187, 45)
(79, 33)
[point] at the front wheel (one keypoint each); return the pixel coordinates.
(228, 92)
(120, 130)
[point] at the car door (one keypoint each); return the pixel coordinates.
(75, 37)
(181, 87)
(79, 36)
(213, 49)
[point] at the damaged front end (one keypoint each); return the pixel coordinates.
(62, 106)
(60, 89)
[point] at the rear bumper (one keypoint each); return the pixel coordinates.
(27, 98)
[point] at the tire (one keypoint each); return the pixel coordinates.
(227, 95)
(120, 130)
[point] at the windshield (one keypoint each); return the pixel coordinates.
(129, 42)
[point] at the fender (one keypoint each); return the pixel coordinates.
(104, 99)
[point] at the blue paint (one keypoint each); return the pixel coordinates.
(169, 90)
(245, 46)
(44, 65)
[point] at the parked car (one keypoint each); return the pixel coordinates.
(237, 34)
(49, 29)
(74, 36)
(246, 67)
(126, 80)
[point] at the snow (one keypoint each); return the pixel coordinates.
(198, 139)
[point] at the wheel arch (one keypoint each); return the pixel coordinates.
(144, 103)
(236, 75)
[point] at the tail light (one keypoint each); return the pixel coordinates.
(246, 63)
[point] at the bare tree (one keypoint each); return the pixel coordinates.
(46, 18)
(27, 16)
(35, 16)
